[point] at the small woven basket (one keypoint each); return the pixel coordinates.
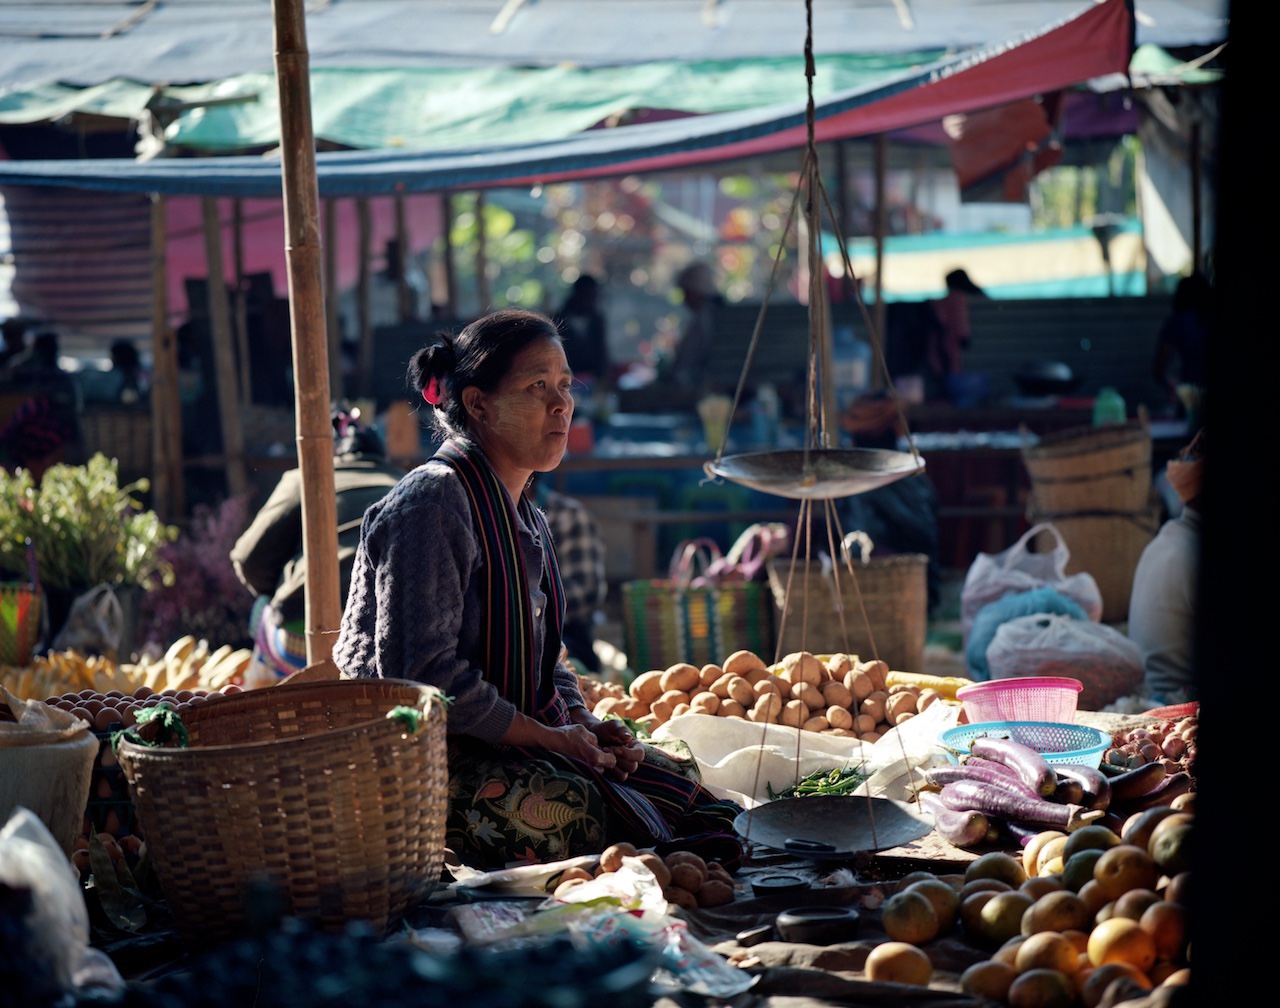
(1024, 698)
(879, 610)
(1091, 469)
(310, 787)
(1065, 744)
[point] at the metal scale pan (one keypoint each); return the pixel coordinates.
(816, 474)
(825, 827)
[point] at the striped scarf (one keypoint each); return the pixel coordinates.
(507, 637)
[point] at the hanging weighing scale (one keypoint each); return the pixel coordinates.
(823, 827)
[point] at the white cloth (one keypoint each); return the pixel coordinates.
(1162, 608)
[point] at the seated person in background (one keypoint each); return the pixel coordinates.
(580, 553)
(268, 556)
(902, 516)
(1162, 603)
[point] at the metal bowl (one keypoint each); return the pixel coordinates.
(816, 474)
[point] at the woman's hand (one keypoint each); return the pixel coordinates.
(616, 737)
(579, 742)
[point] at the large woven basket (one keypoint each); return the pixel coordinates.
(1103, 469)
(874, 607)
(1108, 546)
(308, 787)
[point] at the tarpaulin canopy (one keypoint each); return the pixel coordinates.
(1095, 41)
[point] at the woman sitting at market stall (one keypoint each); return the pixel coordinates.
(455, 584)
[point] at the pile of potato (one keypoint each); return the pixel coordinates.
(687, 879)
(838, 694)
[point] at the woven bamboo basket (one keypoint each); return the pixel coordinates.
(1091, 469)
(310, 788)
(874, 607)
(1108, 546)
(665, 622)
(122, 433)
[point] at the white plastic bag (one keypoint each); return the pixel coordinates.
(992, 576)
(47, 933)
(1107, 662)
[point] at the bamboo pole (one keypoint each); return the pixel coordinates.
(223, 353)
(166, 410)
(306, 315)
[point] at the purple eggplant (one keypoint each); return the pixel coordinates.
(1001, 803)
(1033, 768)
(1094, 785)
(960, 828)
(979, 770)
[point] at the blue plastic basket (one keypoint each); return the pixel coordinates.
(1068, 744)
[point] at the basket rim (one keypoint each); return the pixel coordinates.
(431, 694)
(948, 737)
(1024, 682)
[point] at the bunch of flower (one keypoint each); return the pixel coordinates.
(206, 599)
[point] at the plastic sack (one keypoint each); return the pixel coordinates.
(992, 576)
(995, 614)
(45, 957)
(1101, 657)
(94, 625)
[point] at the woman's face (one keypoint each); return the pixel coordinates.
(523, 424)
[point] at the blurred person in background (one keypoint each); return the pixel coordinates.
(582, 325)
(268, 557)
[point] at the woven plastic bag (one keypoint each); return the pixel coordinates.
(1106, 662)
(992, 576)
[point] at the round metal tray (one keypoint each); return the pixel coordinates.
(823, 827)
(816, 474)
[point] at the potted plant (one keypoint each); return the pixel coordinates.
(86, 529)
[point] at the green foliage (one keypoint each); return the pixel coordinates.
(87, 529)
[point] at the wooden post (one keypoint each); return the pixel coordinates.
(882, 218)
(482, 276)
(242, 312)
(364, 289)
(450, 266)
(166, 408)
(224, 360)
(306, 316)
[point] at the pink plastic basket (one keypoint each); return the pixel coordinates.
(1023, 698)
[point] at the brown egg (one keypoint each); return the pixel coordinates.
(107, 717)
(142, 692)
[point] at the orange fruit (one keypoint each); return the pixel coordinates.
(990, 979)
(1122, 939)
(945, 900)
(1008, 952)
(1168, 925)
(1042, 988)
(1125, 867)
(1041, 885)
(909, 916)
(1090, 837)
(1078, 869)
(1134, 902)
(1058, 911)
(899, 962)
(1179, 888)
(916, 876)
(1049, 853)
(971, 909)
(1138, 827)
(996, 865)
(1101, 977)
(983, 885)
(1047, 950)
(1170, 847)
(1079, 939)
(1000, 918)
(1094, 898)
